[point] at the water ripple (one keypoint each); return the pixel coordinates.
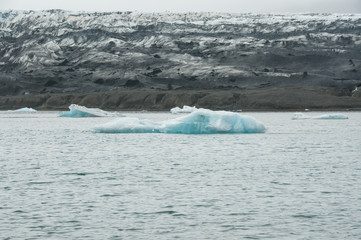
(61, 181)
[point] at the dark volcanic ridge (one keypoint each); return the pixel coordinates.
(258, 99)
(52, 53)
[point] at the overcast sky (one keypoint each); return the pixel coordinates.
(281, 6)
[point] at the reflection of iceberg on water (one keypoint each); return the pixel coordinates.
(301, 116)
(185, 109)
(202, 121)
(24, 110)
(81, 111)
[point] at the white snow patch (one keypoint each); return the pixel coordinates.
(185, 109)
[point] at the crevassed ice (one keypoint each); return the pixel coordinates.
(301, 116)
(202, 121)
(81, 111)
(185, 109)
(25, 109)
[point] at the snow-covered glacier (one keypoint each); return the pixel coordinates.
(202, 121)
(60, 51)
(81, 111)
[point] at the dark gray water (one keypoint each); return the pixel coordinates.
(299, 180)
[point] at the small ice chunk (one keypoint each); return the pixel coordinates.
(81, 111)
(331, 116)
(301, 116)
(24, 110)
(202, 121)
(185, 109)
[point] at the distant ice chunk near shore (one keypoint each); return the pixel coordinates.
(202, 121)
(331, 116)
(301, 116)
(81, 111)
(185, 109)
(24, 110)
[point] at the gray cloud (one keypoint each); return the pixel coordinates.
(335, 6)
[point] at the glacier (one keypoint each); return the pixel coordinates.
(24, 110)
(81, 111)
(185, 109)
(202, 121)
(190, 50)
(302, 116)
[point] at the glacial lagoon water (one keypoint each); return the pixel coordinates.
(61, 180)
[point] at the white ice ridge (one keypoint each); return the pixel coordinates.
(202, 121)
(185, 109)
(301, 116)
(81, 111)
(24, 110)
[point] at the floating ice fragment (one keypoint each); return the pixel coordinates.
(205, 121)
(185, 109)
(331, 116)
(24, 110)
(202, 121)
(301, 116)
(81, 111)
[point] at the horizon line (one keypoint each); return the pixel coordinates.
(178, 12)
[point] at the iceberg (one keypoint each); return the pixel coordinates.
(301, 116)
(81, 111)
(331, 116)
(202, 121)
(24, 110)
(185, 109)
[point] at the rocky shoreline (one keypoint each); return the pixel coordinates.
(261, 99)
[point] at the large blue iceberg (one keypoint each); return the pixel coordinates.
(302, 116)
(202, 121)
(81, 111)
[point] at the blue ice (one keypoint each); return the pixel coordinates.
(24, 110)
(81, 111)
(202, 121)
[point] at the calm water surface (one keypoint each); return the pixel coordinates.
(299, 180)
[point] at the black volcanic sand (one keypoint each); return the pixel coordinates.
(261, 99)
